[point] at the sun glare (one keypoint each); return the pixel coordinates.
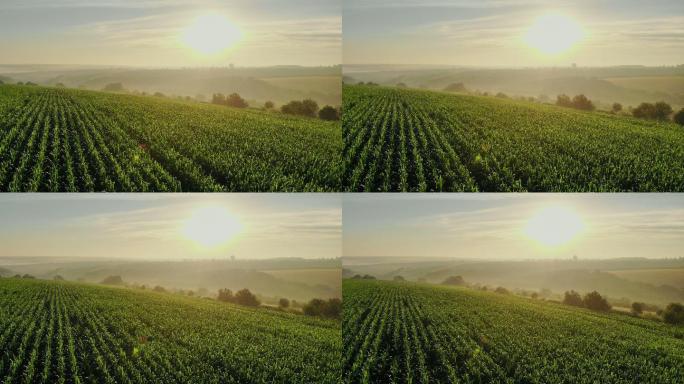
(211, 226)
(552, 34)
(554, 226)
(211, 34)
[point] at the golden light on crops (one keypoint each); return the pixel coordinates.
(211, 226)
(553, 33)
(211, 33)
(554, 226)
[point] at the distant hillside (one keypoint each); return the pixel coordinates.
(556, 275)
(210, 274)
(278, 84)
(603, 85)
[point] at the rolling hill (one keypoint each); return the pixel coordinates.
(407, 332)
(60, 332)
(54, 139)
(415, 140)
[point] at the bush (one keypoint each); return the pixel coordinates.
(159, 289)
(637, 308)
(113, 87)
(594, 301)
(235, 100)
(454, 280)
(225, 295)
(269, 105)
(583, 103)
(679, 117)
(674, 314)
(284, 303)
(112, 280)
(247, 298)
(573, 298)
(501, 290)
(617, 107)
(328, 113)
(455, 87)
(402, 85)
(399, 278)
(321, 308)
(218, 99)
(658, 111)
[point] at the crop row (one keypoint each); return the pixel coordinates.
(403, 333)
(67, 140)
(410, 140)
(54, 332)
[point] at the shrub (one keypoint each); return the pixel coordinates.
(113, 87)
(284, 303)
(594, 301)
(245, 297)
(235, 100)
(454, 280)
(455, 87)
(321, 308)
(501, 290)
(218, 98)
(269, 105)
(328, 113)
(306, 107)
(112, 280)
(225, 295)
(679, 117)
(159, 289)
(563, 101)
(399, 278)
(674, 314)
(637, 308)
(573, 298)
(658, 111)
(583, 103)
(617, 107)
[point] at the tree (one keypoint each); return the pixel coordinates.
(306, 107)
(247, 298)
(158, 94)
(659, 111)
(617, 107)
(454, 280)
(501, 95)
(637, 308)
(225, 295)
(674, 314)
(310, 108)
(269, 105)
(60, 85)
(583, 103)
(501, 290)
(235, 100)
(573, 298)
(328, 113)
(112, 280)
(314, 307)
(159, 289)
(399, 278)
(333, 309)
(368, 277)
(594, 301)
(27, 276)
(679, 117)
(283, 303)
(2, 82)
(218, 98)
(455, 87)
(563, 101)
(113, 87)
(58, 278)
(402, 85)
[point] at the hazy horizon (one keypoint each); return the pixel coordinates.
(171, 33)
(515, 33)
(514, 227)
(171, 227)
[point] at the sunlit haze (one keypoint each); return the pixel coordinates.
(514, 33)
(134, 226)
(171, 33)
(514, 226)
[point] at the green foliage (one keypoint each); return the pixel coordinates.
(332, 308)
(573, 298)
(307, 108)
(114, 87)
(247, 298)
(112, 280)
(454, 280)
(679, 117)
(637, 308)
(674, 314)
(594, 301)
(434, 334)
(284, 303)
(74, 140)
(61, 332)
(328, 113)
(413, 140)
(657, 111)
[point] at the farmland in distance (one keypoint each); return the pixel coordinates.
(399, 332)
(415, 140)
(64, 332)
(73, 140)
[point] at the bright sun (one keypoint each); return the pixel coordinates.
(554, 226)
(553, 33)
(211, 226)
(211, 34)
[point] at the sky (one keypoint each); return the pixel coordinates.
(495, 32)
(152, 32)
(171, 227)
(514, 226)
